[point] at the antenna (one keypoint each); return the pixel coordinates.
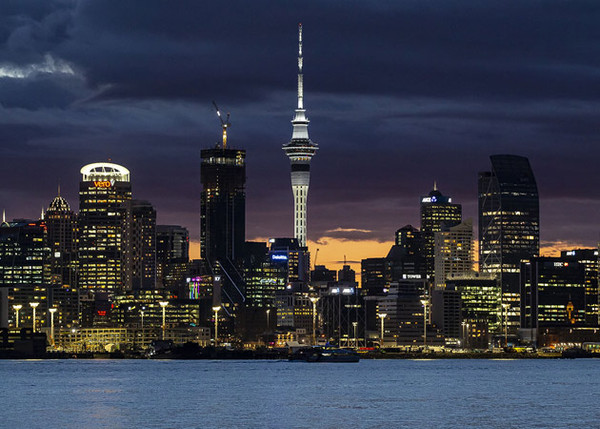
(300, 77)
(224, 124)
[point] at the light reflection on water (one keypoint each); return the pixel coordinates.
(392, 393)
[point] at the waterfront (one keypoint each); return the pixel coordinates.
(372, 393)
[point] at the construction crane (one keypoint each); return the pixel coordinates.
(315, 261)
(224, 124)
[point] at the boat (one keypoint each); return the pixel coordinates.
(324, 354)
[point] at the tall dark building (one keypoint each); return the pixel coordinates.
(437, 212)
(139, 246)
(223, 205)
(172, 255)
(62, 241)
(509, 224)
(104, 189)
(589, 259)
(553, 295)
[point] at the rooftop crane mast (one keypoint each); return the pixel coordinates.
(224, 124)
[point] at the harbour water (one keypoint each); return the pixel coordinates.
(281, 394)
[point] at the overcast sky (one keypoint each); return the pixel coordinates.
(399, 94)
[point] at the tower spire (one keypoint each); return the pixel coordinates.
(300, 76)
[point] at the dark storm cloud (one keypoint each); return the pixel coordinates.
(399, 93)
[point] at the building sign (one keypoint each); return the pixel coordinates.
(279, 257)
(103, 183)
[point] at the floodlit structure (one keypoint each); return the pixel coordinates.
(300, 151)
(102, 191)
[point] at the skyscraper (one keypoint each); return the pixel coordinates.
(139, 246)
(223, 204)
(104, 189)
(300, 151)
(509, 224)
(453, 251)
(437, 212)
(62, 241)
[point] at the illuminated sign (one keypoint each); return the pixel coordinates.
(276, 257)
(102, 313)
(103, 183)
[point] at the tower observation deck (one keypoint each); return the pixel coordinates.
(300, 151)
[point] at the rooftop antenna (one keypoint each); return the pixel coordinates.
(435, 185)
(224, 124)
(4, 216)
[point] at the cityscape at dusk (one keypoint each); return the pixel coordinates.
(373, 184)
(396, 98)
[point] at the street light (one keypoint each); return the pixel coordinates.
(52, 311)
(382, 316)
(268, 320)
(425, 303)
(142, 314)
(506, 306)
(314, 300)
(216, 310)
(164, 304)
(355, 325)
(34, 306)
(17, 307)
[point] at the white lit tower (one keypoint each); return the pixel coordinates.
(300, 150)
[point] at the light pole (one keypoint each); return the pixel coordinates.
(34, 306)
(506, 306)
(425, 303)
(355, 325)
(216, 310)
(464, 337)
(314, 300)
(268, 320)
(17, 307)
(382, 316)
(164, 304)
(142, 313)
(52, 311)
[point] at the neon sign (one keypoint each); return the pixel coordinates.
(103, 183)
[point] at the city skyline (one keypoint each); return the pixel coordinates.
(388, 125)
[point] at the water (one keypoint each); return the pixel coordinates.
(277, 394)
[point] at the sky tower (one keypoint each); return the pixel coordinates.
(300, 150)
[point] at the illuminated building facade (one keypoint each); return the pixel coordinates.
(24, 269)
(453, 251)
(480, 306)
(104, 189)
(553, 294)
(139, 246)
(509, 224)
(437, 212)
(62, 242)
(300, 151)
(589, 259)
(264, 278)
(289, 254)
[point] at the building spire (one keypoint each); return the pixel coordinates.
(300, 76)
(435, 185)
(4, 216)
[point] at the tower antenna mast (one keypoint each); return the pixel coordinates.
(224, 124)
